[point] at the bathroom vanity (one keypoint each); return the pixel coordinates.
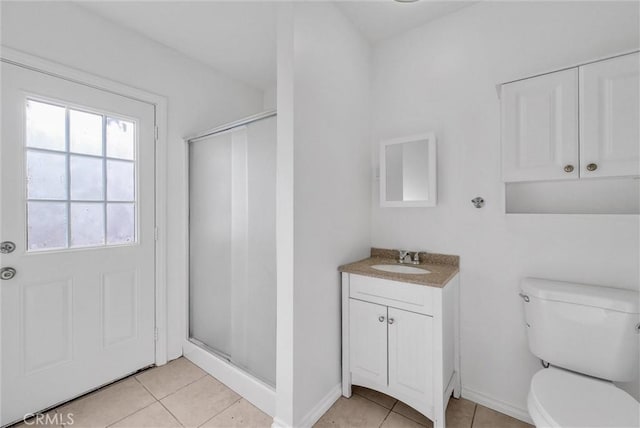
(400, 329)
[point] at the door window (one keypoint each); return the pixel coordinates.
(81, 177)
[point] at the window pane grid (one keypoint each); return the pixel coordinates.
(84, 155)
(90, 216)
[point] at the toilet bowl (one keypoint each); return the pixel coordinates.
(560, 398)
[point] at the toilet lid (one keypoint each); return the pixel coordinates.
(568, 399)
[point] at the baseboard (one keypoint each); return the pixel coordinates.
(277, 423)
(497, 405)
(321, 408)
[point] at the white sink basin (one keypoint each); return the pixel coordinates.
(401, 269)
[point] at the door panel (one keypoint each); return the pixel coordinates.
(47, 334)
(610, 117)
(540, 127)
(411, 354)
(368, 335)
(77, 191)
(119, 303)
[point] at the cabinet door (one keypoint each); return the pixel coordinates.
(368, 336)
(411, 355)
(540, 127)
(609, 117)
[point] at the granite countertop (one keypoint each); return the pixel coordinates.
(443, 267)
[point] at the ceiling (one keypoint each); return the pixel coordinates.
(238, 38)
(380, 19)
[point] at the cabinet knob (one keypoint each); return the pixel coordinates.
(391, 321)
(381, 318)
(592, 167)
(568, 168)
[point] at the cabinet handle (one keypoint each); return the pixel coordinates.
(381, 318)
(568, 168)
(592, 167)
(391, 321)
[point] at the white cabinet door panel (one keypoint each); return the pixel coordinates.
(368, 333)
(411, 354)
(610, 117)
(540, 128)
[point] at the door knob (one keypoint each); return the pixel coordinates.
(7, 247)
(7, 273)
(568, 168)
(381, 318)
(592, 167)
(391, 321)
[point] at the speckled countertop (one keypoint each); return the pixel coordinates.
(442, 267)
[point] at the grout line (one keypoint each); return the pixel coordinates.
(160, 402)
(171, 413)
(375, 402)
(413, 420)
(221, 411)
(131, 414)
(473, 418)
(182, 387)
(385, 418)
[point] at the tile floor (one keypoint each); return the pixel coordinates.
(368, 408)
(180, 394)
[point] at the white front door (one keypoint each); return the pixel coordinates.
(77, 195)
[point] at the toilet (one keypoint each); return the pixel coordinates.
(589, 336)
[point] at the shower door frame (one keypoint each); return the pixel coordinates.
(254, 390)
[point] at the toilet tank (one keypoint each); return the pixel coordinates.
(585, 328)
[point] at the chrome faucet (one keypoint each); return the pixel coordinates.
(402, 257)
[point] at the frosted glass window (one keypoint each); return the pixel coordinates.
(86, 178)
(120, 180)
(121, 222)
(45, 126)
(46, 175)
(47, 225)
(120, 138)
(81, 178)
(85, 132)
(87, 224)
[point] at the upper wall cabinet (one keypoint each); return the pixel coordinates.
(576, 123)
(609, 112)
(540, 127)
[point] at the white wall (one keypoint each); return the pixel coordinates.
(331, 200)
(198, 98)
(270, 98)
(441, 77)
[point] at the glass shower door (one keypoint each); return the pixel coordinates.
(232, 254)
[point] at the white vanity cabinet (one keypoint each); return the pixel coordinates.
(401, 339)
(581, 122)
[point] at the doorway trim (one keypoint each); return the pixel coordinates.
(159, 102)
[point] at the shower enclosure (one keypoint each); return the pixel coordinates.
(232, 247)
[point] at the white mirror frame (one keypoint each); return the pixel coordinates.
(430, 137)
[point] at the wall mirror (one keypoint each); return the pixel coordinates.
(408, 171)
